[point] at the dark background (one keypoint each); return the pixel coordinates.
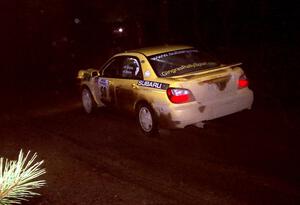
(251, 157)
(43, 47)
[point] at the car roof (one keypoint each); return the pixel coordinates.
(149, 51)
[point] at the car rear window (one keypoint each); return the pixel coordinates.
(181, 62)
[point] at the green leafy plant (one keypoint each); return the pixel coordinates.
(18, 178)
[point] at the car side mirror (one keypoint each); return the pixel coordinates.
(95, 73)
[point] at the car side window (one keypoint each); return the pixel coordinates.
(113, 68)
(131, 68)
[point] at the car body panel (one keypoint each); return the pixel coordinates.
(215, 90)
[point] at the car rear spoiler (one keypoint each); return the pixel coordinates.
(210, 70)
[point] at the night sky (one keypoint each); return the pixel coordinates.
(47, 41)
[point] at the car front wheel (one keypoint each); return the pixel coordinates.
(88, 102)
(147, 120)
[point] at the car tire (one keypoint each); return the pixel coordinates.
(147, 120)
(88, 102)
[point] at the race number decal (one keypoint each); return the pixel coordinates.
(103, 91)
(103, 84)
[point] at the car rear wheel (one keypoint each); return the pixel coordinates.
(88, 101)
(147, 120)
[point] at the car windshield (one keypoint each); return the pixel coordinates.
(181, 62)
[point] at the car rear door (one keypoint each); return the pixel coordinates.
(126, 89)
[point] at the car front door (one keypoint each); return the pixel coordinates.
(108, 81)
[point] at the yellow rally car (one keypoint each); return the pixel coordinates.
(167, 87)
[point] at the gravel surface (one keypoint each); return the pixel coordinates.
(250, 157)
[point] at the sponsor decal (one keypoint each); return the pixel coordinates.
(184, 67)
(164, 55)
(152, 84)
(147, 73)
(103, 82)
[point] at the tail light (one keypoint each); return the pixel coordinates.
(180, 95)
(243, 81)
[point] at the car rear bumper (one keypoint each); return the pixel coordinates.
(182, 115)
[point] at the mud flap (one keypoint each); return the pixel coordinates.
(199, 124)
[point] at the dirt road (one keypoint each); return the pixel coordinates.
(247, 158)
